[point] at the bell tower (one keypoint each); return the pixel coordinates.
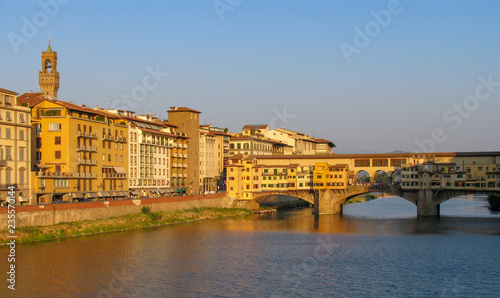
(48, 77)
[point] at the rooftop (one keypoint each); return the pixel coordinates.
(182, 109)
(8, 91)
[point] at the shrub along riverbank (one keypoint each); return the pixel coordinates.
(361, 199)
(144, 219)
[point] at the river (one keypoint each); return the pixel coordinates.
(375, 249)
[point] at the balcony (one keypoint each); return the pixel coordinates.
(65, 175)
(121, 139)
(87, 148)
(113, 175)
(86, 162)
(86, 134)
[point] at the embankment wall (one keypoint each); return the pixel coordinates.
(46, 215)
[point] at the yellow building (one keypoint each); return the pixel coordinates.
(156, 152)
(326, 176)
(77, 153)
(14, 147)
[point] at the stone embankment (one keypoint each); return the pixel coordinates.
(47, 215)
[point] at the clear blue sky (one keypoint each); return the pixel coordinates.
(241, 65)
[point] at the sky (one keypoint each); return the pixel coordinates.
(371, 76)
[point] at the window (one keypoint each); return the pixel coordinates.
(61, 183)
(7, 101)
(8, 156)
(21, 176)
(362, 163)
(7, 116)
(103, 157)
(21, 134)
(57, 140)
(54, 126)
(58, 154)
(7, 133)
(21, 154)
(380, 162)
(21, 118)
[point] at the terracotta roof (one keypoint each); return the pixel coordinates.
(220, 133)
(162, 133)
(182, 109)
(32, 99)
(323, 141)
(8, 91)
(162, 123)
(75, 107)
(255, 126)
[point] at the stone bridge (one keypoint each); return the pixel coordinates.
(427, 200)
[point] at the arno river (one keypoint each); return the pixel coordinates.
(377, 249)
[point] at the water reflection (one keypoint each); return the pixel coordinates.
(248, 257)
(384, 216)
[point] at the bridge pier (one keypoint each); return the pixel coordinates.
(425, 203)
(328, 202)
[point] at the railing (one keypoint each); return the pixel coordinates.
(87, 148)
(113, 175)
(65, 175)
(86, 134)
(86, 161)
(6, 186)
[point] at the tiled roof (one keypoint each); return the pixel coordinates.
(32, 99)
(162, 133)
(162, 123)
(255, 126)
(8, 91)
(75, 107)
(323, 141)
(182, 109)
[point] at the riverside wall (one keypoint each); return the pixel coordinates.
(46, 215)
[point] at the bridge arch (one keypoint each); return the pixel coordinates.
(362, 176)
(307, 196)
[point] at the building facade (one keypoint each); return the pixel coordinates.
(15, 159)
(188, 124)
(78, 153)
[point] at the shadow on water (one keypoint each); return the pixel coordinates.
(386, 216)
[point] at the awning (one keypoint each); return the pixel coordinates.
(162, 191)
(42, 166)
(105, 194)
(121, 194)
(120, 170)
(179, 190)
(23, 199)
(134, 192)
(77, 195)
(91, 195)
